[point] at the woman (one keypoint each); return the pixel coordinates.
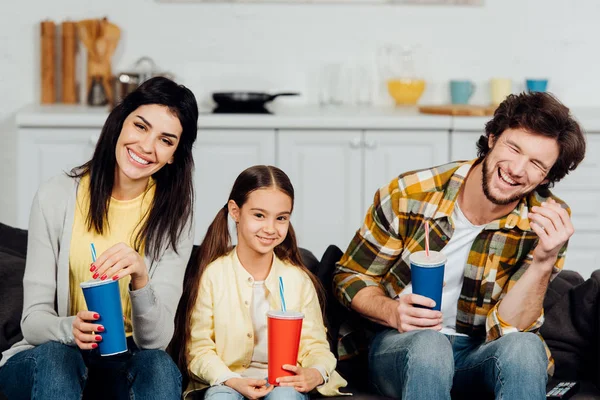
(134, 201)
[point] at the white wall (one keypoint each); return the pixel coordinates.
(283, 46)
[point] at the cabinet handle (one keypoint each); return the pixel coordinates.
(93, 140)
(371, 144)
(355, 143)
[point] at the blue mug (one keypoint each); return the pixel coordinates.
(461, 91)
(104, 298)
(537, 85)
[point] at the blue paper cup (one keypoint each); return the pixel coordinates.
(427, 275)
(104, 298)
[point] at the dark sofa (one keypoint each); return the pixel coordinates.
(571, 328)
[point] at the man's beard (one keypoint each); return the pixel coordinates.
(486, 188)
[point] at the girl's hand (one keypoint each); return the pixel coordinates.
(83, 331)
(249, 388)
(118, 261)
(305, 380)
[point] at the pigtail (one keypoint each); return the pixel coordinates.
(216, 243)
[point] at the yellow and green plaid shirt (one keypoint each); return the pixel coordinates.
(378, 255)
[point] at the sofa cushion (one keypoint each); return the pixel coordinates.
(12, 268)
(571, 325)
(13, 240)
(13, 249)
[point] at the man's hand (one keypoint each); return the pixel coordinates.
(305, 380)
(249, 388)
(409, 318)
(553, 226)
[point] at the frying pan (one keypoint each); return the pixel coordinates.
(232, 100)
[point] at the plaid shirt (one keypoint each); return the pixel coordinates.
(378, 255)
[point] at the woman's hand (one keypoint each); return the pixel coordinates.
(305, 380)
(249, 388)
(83, 330)
(119, 261)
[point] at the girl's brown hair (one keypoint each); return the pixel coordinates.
(217, 243)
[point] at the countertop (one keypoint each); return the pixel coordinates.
(298, 117)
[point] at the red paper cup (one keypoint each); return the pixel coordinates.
(284, 329)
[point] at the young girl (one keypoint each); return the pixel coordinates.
(221, 321)
(134, 201)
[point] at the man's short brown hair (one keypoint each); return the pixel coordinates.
(543, 114)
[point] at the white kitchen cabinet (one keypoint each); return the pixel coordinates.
(336, 174)
(336, 158)
(580, 190)
(219, 156)
(463, 145)
(390, 153)
(325, 167)
(45, 152)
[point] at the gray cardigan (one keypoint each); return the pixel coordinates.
(46, 279)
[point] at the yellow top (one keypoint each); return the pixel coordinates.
(222, 339)
(125, 220)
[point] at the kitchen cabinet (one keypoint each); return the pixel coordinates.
(336, 173)
(219, 156)
(45, 152)
(580, 190)
(389, 153)
(325, 168)
(336, 158)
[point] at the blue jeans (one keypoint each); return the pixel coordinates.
(223, 392)
(56, 371)
(427, 364)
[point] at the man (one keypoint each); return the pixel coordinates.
(504, 235)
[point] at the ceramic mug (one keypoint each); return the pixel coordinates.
(500, 88)
(461, 91)
(537, 85)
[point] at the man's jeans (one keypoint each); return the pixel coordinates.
(426, 364)
(56, 371)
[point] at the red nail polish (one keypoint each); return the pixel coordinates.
(96, 316)
(93, 268)
(100, 329)
(98, 338)
(94, 345)
(114, 278)
(103, 277)
(95, 275)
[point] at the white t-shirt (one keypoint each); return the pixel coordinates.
(258, 312)
(456, 251)
(258, 368)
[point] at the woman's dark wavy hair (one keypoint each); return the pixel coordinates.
(217, 243)
(540, 113)
(173, 201)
